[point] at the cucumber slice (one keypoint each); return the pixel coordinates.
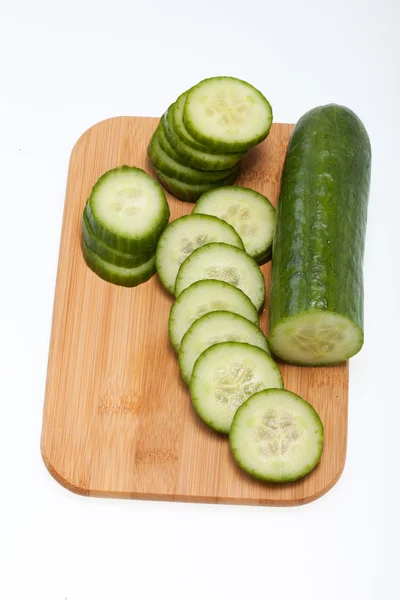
(225, 376)
(198, 159)
(184, 235)
(276, 436)
(204, 297)
(120, 259)
(227, 114)
(250, 213)
(118, 275)
(213, 328)
(168, 166)
(179, 126)
(190, 192)
(226, 263)
(128, 210)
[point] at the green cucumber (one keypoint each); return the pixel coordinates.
(226, 375)
(128, 210)
(184, 174)
(108, 254)
(203, 297)
(213, 328)
(179, 126)
(124, 276)
(250, 213)
(197, 159)
(183, 236)
(316, 303)
(226, 263)
(226, 114)
(276, 436)
(190, 192)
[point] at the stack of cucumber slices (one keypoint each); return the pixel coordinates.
(202, 138)
(122, 221)
(235, 385)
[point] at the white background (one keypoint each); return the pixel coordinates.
(67, 65)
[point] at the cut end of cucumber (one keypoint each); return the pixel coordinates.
(227, 113)
(276, 436)
(128, 202)
(316, 338)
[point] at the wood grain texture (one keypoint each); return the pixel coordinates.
(118, 421)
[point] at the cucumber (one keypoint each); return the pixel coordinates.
(250, 213)
(128, 210)
(108, 254)
(184, 235)
(213, 328)
(316, 304)
(226, 375)
(168, 166)
(198, 159)
(127, 277)
(226, 263)
(276, 436)
(178, 125)
(204, 297)
(227, 114)
(166, 146)
(190, 192)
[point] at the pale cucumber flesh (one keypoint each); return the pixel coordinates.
(250, 213)
(203, 297)
(227, 114)
(276, 436)
(226, 263)
(316, 338)
(213, 328)
(226, 375)
(183, 236)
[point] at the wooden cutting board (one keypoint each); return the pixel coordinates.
(118, 421)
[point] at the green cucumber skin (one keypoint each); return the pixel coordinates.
(181, 172)
(119, 259)
(190, 192)
(318, 248)
(99, 266)
(184, 135)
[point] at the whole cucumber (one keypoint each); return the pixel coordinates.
(317, 297)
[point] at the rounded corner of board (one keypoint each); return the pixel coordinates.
(82, 138)
(63, 481)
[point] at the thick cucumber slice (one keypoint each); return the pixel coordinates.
(213, 328)
(179, 126)
(192, 156)
(190, 192)
(168, 166)
(225, 376)
(204, 297)
(118, 275)
(108, 254)
(128, 210)
(251, 214)
(226, 263)
(184, 235)
(317, 337)
(276, 436)
(317, 296)
(227, 114)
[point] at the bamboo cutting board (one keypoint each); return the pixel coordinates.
(118, 421)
